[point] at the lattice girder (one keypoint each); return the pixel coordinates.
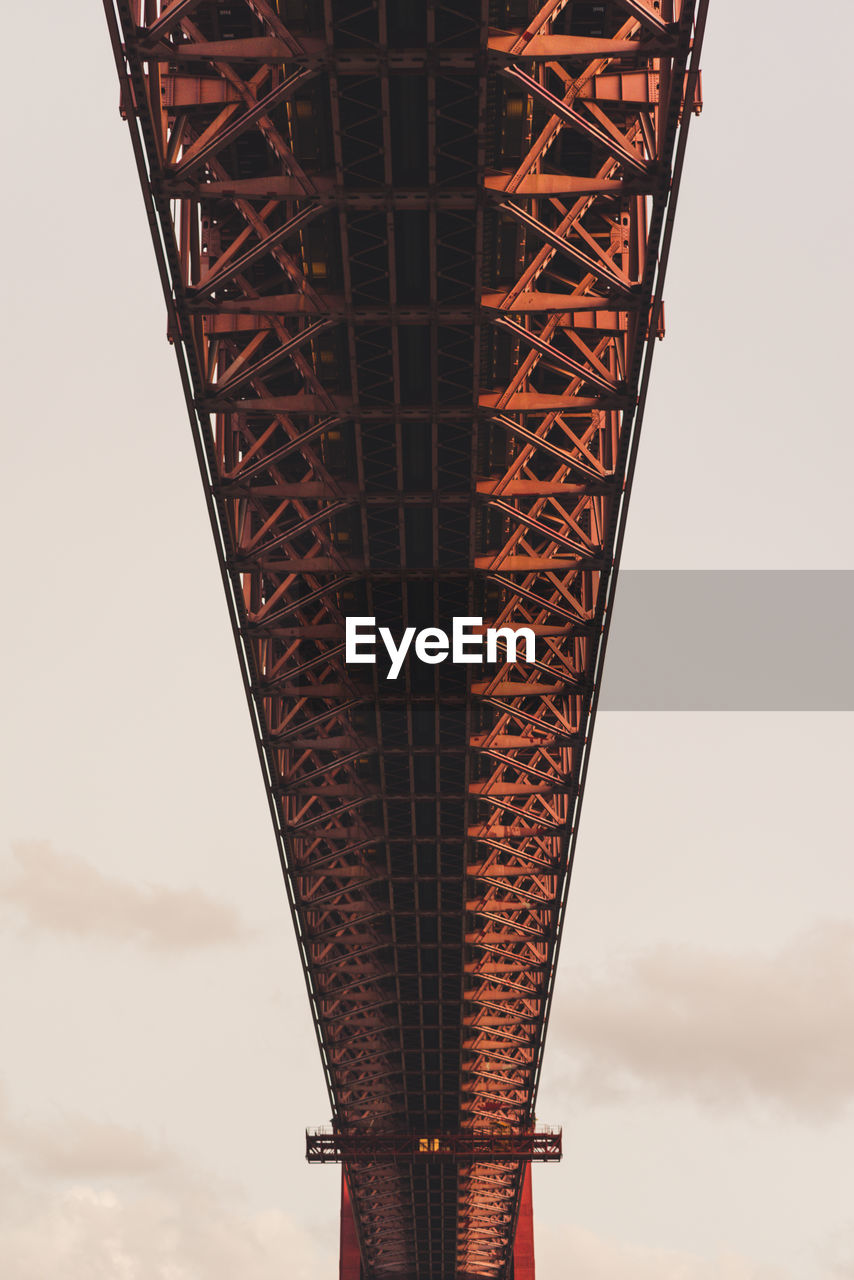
(410, 255)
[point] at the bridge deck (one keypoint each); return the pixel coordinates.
(412, 254)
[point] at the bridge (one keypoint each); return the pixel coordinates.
(412, 253)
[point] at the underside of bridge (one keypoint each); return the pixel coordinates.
(412, 254)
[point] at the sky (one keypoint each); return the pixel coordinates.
(158, 1064)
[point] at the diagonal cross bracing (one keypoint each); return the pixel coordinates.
(412, 256)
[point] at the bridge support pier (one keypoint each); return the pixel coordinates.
(350, 1262)
(523, 1246)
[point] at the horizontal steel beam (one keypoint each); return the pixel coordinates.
(467, 1145)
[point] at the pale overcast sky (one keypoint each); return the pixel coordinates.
(159, 1066)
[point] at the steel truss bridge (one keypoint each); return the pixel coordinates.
(412, 253)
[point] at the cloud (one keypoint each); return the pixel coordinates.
(573, 1251)
(186, 1228)
(720, 1028)
(87, 1200)
(66, 895)
(78, 1148)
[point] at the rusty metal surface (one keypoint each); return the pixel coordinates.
(412, 258)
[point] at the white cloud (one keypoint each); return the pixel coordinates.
(178, 1232)
(75, 1147)
(574, 1252)
(66, 895)
(84, 1200)
(720, 1028)
(839, 1253)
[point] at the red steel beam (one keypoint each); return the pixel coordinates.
(523, 1245)
(349, 1257)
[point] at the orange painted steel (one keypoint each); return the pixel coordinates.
(349, 1259)
(412, 255)
(523, 1244)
